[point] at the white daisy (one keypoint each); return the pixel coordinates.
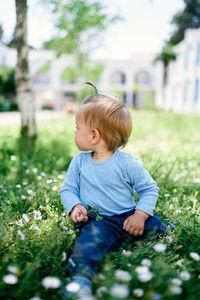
(141, 269)
(195, 256)
(138, 292)
(25, 217)
(72, 287)
(160, 247)
(51, 282)
(177, 290)
(119, 291)
(184, 275)
(126, 253)
(10, 279)
(123, 275)
(19, 223)
(37, 215)
(176, 281)
(22, 236)
(146, 262)
(144, 277)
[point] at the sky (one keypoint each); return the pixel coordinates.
(145, 26)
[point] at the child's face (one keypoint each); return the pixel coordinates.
(82, 133)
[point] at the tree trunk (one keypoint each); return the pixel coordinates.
(24, 94)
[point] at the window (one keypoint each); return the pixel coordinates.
(198, 53)
(196, 91)
(142, 77)
(118, 77)
(185, 92)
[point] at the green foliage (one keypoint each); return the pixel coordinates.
(92, 72)
(189, 17)
(77, 19)
(7, 81)
(31, 175)
(69, 74)
(46, 67)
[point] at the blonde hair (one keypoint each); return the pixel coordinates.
(111, 118)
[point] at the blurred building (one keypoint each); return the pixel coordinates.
(181, 92)
(133, 78)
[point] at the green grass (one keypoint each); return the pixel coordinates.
(31, 175)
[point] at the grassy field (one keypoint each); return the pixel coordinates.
(36, 235)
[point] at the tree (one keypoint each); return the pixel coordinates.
(24, 95)
(189, 17)
(166, 56)
(79, 23)
(1, 32)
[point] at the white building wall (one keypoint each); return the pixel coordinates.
(179, 92)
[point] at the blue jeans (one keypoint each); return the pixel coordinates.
(98, 237)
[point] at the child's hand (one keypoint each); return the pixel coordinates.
(79, 214)
(134, 224)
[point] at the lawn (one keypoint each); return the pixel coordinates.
(37, 236)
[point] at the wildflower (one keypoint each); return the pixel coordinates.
(35, 298)
(54, 188)
(142, 269)
(126, 253)
(64, 256)
(37, 228)
(23, 197)
(51, 282)
(146, 262)
(72, 287)
(178, 211)
(101, 290)
(144, 277)
(42, 174)
(71, 231)
(27, 171)
(106, 267)
(22, 236)
(176, 289)
(60, 176)
(37, 215)
(195, 256)
(19, 223)
(35, 170)
(25, 217)
(12, 157)
(29, 192)
(176, 281)
(25, 183)
(122, 275)
(49, 181)
(138, 292)
(39, 177)
(18, 186)
(180, 262)
(160, 247)
(184, 275)
(13, 269)
(119, 291)
(10, 279)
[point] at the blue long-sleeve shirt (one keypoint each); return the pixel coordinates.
(108, 185)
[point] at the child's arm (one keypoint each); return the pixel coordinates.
(70, 191)
(147, 191)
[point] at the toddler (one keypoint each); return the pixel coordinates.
(105, 179)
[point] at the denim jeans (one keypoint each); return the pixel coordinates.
(98, 237)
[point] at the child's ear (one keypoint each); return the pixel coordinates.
(95, 136)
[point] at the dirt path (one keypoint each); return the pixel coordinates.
(13, 118)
